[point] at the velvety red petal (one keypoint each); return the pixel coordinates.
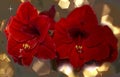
(65, 50)
(98, 53)
(61, 34)
(49, 43)
(27, 58)
(12, 46)
(46, 49)
(94, 39)
(20, 32)
(82, 17)
(75, 59)
(26, 12)
(42, 24)
(112, 42)
(44, 52)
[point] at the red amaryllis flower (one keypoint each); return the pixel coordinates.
(50, 13)
(27, 35)
(80, 39)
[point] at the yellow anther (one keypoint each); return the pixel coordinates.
(26, 46)
(78, 47)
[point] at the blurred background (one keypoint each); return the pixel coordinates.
(107, 11)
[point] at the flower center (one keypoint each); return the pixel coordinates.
(26, 46)
(78, 48)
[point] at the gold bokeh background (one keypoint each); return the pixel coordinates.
(106, 11)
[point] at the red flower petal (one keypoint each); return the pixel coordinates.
(61, 34)
(26, 13)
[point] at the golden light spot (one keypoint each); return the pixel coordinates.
(78, 3)
(6, 69)
(104, 67)
(24, 0)
(106, 10)
(4, 57)
(93, 70)
(2, 24)
(67, 70)
(90, 71)
(107, 20)
(41, 67)
(64, 4)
